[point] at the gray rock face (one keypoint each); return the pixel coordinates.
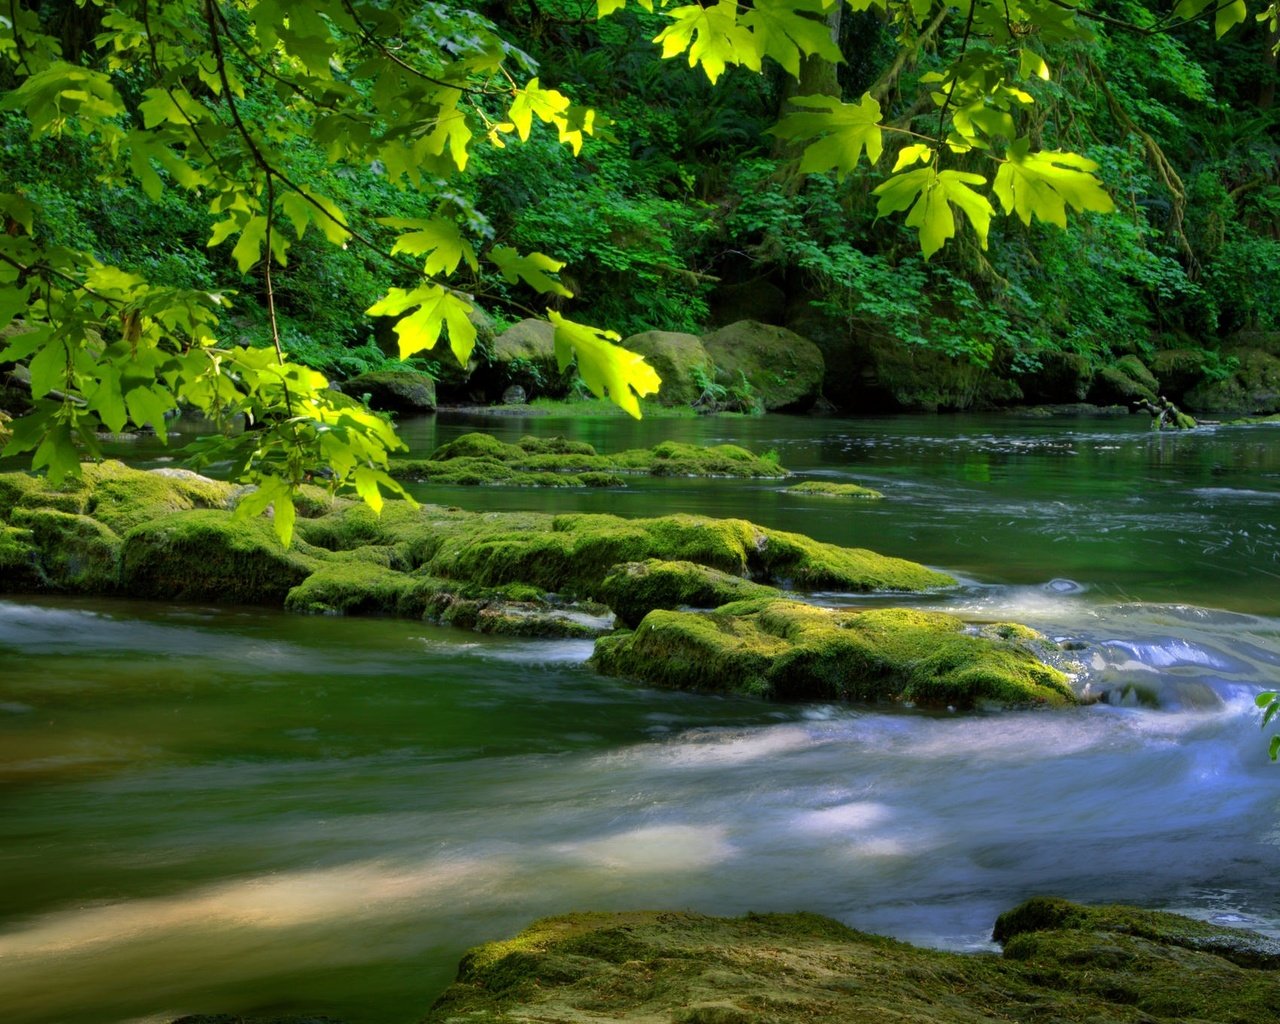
(783, 368)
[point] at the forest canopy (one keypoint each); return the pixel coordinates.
(402, 135)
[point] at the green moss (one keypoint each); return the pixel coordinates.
(634, 589)
(476, 459)
(635, 967)
(75, 553)
(123, 498)
(19, 562)
(833, 490)
(209, 556)
(350, 586)
(793, 651)
(554, 446)
(1050, 914)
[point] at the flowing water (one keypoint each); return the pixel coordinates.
(227, 809)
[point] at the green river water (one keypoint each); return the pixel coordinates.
(235, 810)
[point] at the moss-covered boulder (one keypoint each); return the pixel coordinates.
(5, 431)
(399, 391)
(791, 651)
(831, 489)
(646, 967)
(681, 360)
(784, 369)
(525, 355)
(1252, 387)
(207, 555)
(73, 552)
(634, 589)
(1124, 382)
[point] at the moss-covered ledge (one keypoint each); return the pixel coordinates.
(1121, 965)
(477, 458)
(779, 648)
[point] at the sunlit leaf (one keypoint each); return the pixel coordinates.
(606, 368)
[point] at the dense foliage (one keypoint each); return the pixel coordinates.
(160, 157)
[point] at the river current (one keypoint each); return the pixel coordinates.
(234, 810)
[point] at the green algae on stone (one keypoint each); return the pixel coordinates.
(791, 651)
(830, 489)
(638, 967)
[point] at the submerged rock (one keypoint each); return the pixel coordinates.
(1114, 964)
(786, 650)
(830, 489)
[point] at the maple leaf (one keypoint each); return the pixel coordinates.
(712, 36)
(846, 129)
(783, 32)
(532, 269)
(607, 369)
(1043, 185)
(438, 308)
(438, 239)
(930, 195)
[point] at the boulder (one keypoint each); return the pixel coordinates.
(778, 648)
(399, 391)
(1252, 387)
(207, 555)
(681, 360)
(524, 355)
(1124, 382)
(1117, 964)
(784, 369)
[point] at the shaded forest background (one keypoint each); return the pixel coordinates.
(686, 214)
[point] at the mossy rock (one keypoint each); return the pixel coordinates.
(791, 651)
(208, 555)
(6, 431)
(1124, 382)
(75, 552)
(830, 489)
(525, 355)
(20, 570)
(1177, 370)
(399, 391)
(784, 369)
(681, 360)
(1252, 388)
(478, 459)
(643, 967)
(634, 589)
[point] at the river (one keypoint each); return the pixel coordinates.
(235, 810)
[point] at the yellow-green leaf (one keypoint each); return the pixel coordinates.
(438, 308)
(1228, 16)
(532, 269)
(249, 248)
(531, 100)
(1043, 185)
(930, 194)
(908, 155)
(712, 36)
(843, 132)
(784, 32)
(609, 370)
(438, 239)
